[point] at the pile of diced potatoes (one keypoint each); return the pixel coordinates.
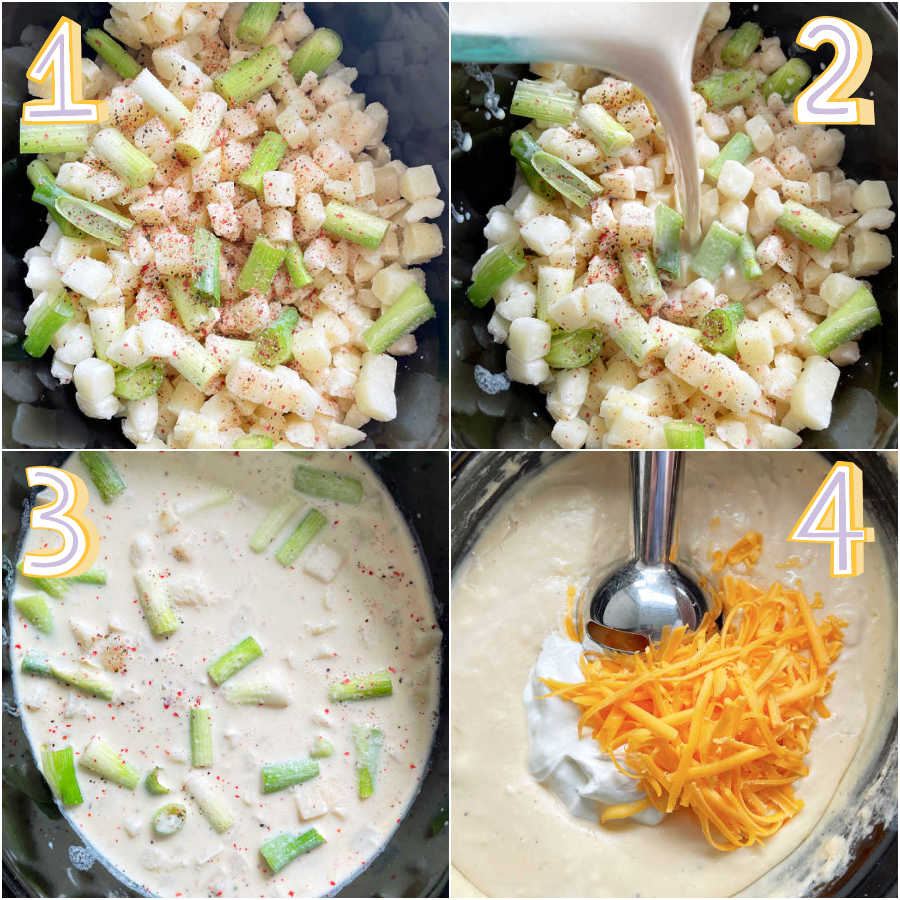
(332, 387)
(776, 387)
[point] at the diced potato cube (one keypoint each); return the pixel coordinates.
(636, 225)
(619, 184)
(292, 127)
(311, 349)
(529, 339)
(837, 288)
(734, 180)
(846, 354)
(94, 379)
(321, 561)
(734, 215)
(871, 194)
(570, 434)
(374, 392)
(526, 372)
(812, 394)
(310, 803)
(871, 253)
(545, 233)
(569, 311)
(86, 276)
(422, 241)
(418, 183)
(637, 118)
(768, 207)
(760, 132)
(278, 189)
(794, 164)
(754, 344)
(174, 252)
(796, 190)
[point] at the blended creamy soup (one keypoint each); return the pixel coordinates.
(374, 613)
(514, 837)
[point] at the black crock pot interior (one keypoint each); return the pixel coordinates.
(865, 405)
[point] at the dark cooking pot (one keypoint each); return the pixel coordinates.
(865, 405)
(36, 839)
(400, 50)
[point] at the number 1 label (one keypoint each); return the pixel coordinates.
(835, 516)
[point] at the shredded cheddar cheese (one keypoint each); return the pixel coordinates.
(717, 721)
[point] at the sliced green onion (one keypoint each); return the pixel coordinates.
(259, 692)
(94, 219)
(139, 383)
(369, 742)
(351, 224)
(94, 575)
(564, 178)
(274, 521)
(855, 315)
(263, 262)
(266, 158)
(47, 192)
(38, 137)
(194, 314)
(170, 819)
(123, 157)
(719, 327)
(195, 362)
(310, 525)
(58, 769)
(495, 266)
(206, 281)
(201, 737)
(523, 146)
(403, 316)
(231, 662)
(293, 262)
(608, 133)
(717, 249)
(214, 809)
(641, 277)
(206, 117)
(278, 776)
(98, 757)
(192, 505)
(49, 319)
(161, 100)
(741, 45)
(329, 485)
(36, 663)
(55, 587)
(316, 53)
(623, 323)
(249, 77)
(746, 254)
(153, 784)
(253, 442)
(544, 101)
(684, 436)
(156, 605)
(787, 80)
(34, 608)
(281, 849)
(727, 88)
(103, 473)
(256, 22)
(112, 52)
(377, 684)
(552, 284)
(738, 148)
(667, 225)
(321, 748)
(808, 226)
(274, 344)
(574, 349)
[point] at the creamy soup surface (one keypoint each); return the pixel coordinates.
(375, 613)
(511, 835)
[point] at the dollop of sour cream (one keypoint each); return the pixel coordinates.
(575, 769)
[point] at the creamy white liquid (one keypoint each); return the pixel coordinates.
(376, 613)
(513, 837)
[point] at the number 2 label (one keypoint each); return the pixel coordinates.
(835, 516)
(64, 514)
(829, 99)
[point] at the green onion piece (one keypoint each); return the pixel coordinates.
(564, 178)
(684, 436)
(369, 742)
(47, 192)
(623, 323)
(37, 137)
(377, 684)
(787, 80)
(123, 157)
(112, 52)
(263, 262)
(266, 158)
(136, 384)
(667, 225)
(170, 819)
(329, 485)
(214, 809)
(274, 521)
(94, 575)
(238, 657)
(351, 224)
(274, 344)
(574, 349)
(261, 692)
(607, 132)
(55, 587)
(155, 603)
(643, 282)
(855, 315)
(257, 21)
(201, 737)
(98, 757)
(194, 314)
(738, 148)
(206, 266)
(161, 100)
(523, 146)
(316, 53)
(746, 254)
(281, 849)
(310, 525)
(741, 45)
(808, 226)
(293, 262)
(206, 116)
(153, 784)
(103, 473)
(544, 101)
(37, 663)
(34, 608)
(719, 245)
(58, 769)
(195, 363)
(719, 326)
(49, 319)
(278, 776)
(495, 266)
(321, 748)
(727, 88)
(253, 442)
(403, 316)
(249, 77)
(552, 284)
(94, 219)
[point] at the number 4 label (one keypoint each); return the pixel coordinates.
(835, 516)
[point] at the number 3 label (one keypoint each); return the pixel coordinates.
(835, 516)
(829, 99)
(64, 515)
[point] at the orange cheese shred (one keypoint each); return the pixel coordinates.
(717, 721)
